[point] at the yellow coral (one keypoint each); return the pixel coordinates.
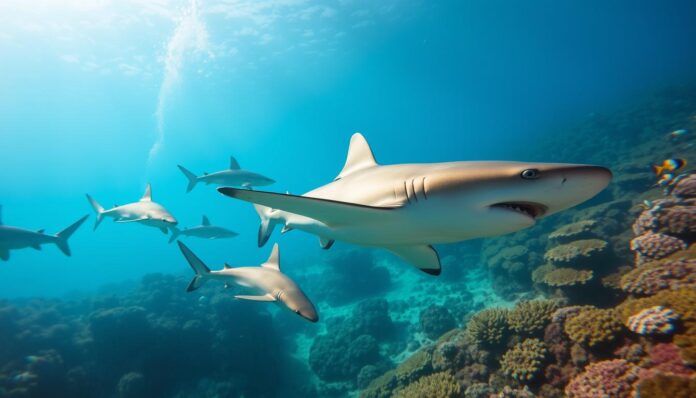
(540, 272)
(593, 326)
(567, 277)
(573, 231)
(438, 385)
(488, 327)
(529, 317)
(524, 361)
(575, 252)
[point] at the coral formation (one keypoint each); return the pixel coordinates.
(574, 231)
(437, 385)
(567, 277)
(576, 253)
(654, 246)
(612, 378)
(651, 277)
(665, 385)
(436, 320)
(653, 320)
(593, 326)
(531, 317)
(524, 361)
(414, 367)
(685, 188)
(488, 327)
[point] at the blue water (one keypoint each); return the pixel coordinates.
(282, 86)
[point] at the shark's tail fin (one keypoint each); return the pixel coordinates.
(267, 223)
(175, 234)
(62, 236)
(198, 266)
(192, 178)
(97, 209)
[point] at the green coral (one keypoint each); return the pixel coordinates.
(530, 317)
(525, 360)
(437, 385)
(593, 326)
(381, 387)
(488, 327)
(414, 367)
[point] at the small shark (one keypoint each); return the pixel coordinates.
(13, 238)
(145, 212)
(405, 208)
(205, 231)
(234, 176)
(271, 284)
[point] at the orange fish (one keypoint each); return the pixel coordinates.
(669, 165)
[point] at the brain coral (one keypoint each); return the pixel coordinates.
(575, 253)
(438, 385)
(653, 320)
(525, 360)
(657, 275)
(577, 230)
(567, 277)
(654, 246)
(488, 327)
(664, 385)
(593, 326)
(530, 317)
(604, 379)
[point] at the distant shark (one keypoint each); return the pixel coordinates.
(205, 231)
(267, 280)
(406, 208)
(13, 238)
(145, 212)
(234, 176)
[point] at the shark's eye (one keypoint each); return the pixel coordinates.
(530, 174)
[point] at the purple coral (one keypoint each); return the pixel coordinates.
(652, 246)
(653, 320)
(604, 379)
(660, 275)
(669, 216)
(686, 187)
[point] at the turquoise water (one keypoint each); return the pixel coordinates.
(102, 98)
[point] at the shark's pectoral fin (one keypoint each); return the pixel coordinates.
(330, 212)
(265, 297)
(4, 254)
(164, 230)
(423, 257)
(36, 247)
(325, 243)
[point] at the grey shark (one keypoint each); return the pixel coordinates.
(144, 211)
(205, 231)
(406, 208)
(234, 176)
(14, 238)
(268, 283)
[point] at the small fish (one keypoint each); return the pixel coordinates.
(669, 165)
(665, 180)
(677, 134)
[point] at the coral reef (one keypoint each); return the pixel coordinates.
(653, 320)
(437, 385)
(531, 317)
(612, 378)
(654, 246)
(488, 327)
(436, 320)
(576, 253)
(651, 277)
(578, 230)
(560, 277)
(593, 326)
(685, 188)
(524, 360)
(665, 385)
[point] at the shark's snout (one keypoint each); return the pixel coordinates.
(308, 313)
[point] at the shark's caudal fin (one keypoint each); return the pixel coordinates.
(62, 236)
(175, 234)
(198, 266)
(267, 223)
(192, 178)
(97, 209)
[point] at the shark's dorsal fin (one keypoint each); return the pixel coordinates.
(273, 261)
(147, 196)
(234, 165)
(205, 221)
(359, 156)
(227, 266)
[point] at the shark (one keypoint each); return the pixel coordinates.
(233, 176)
(205, 231)
(269, 283)
(14, 238)
(144, 211)
(407, 208)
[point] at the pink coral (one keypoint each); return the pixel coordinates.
(686, 187)
(670, 216)
(664, 358)
(604, 379)
(658, 275)
(652, 246)
(653, 320)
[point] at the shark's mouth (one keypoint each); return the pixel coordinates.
(530, 209)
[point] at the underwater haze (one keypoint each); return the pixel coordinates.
(106, 97)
